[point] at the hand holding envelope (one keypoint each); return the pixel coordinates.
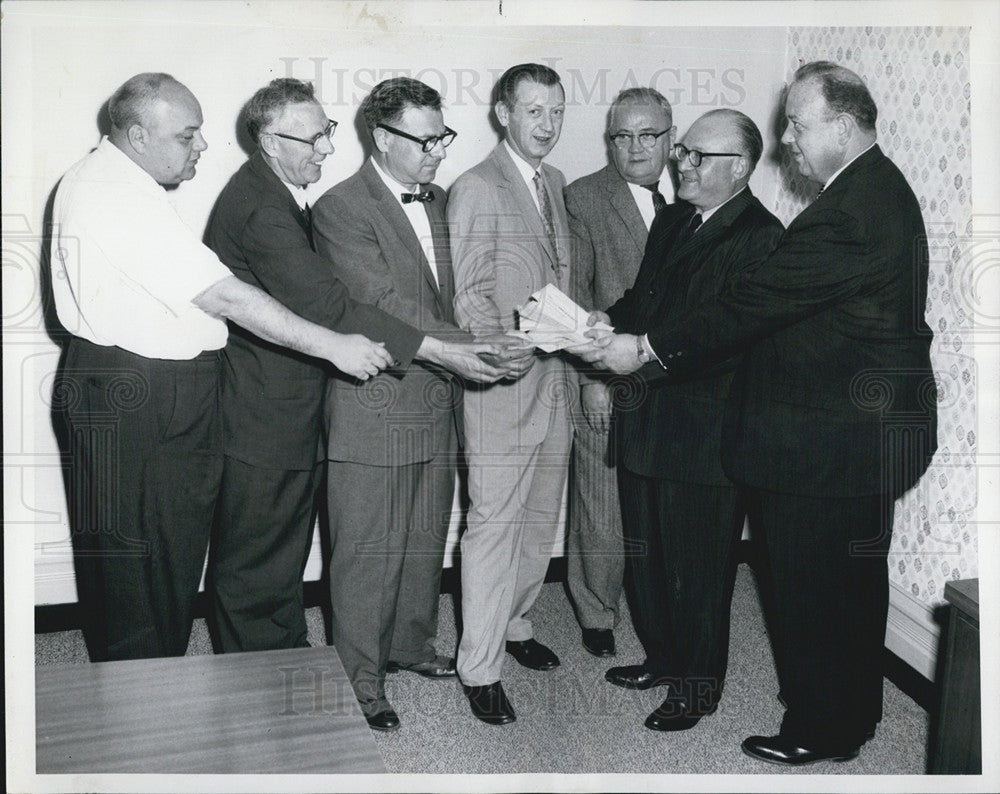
(551, 321)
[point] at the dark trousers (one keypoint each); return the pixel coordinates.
(146, 463)
(826, 561)
(388, 527)
(259, 554)
(679, 576)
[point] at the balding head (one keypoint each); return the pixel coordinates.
(156, 122)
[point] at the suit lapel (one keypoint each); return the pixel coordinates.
(263, 173)
(624, 204)
(389, 209)
(444, 285)
(518, 191)
(716, 224)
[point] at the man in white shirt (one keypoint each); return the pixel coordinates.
(393, 442)
(610, 212)
(510, 238)
(145, 304)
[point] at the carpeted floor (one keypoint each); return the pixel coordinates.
(571, 721)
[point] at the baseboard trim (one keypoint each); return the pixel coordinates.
(911, 632)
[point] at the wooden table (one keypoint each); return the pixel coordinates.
(290, 711)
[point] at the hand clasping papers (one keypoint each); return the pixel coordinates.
(551, 321)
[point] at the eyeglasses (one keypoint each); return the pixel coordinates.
(623, 140)
(427, 144)
(331, 127)
(681, 153)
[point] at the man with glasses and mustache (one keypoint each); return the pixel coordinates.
(393, 441)
(272, 399)
(145, 303)
(680, 512)
(610, 212)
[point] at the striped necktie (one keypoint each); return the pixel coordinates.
(545, 210)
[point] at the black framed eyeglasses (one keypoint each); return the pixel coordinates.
(681, 153)
(425, 143)
(331, 127)
(623, 140)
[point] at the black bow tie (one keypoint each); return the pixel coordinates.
(424, 196)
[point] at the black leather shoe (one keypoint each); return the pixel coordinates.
(533, 654)
(781, 750)
(438, 667)
(633, 676)
(600, 642)
(490, 704)
(673, 715)
(386, 720)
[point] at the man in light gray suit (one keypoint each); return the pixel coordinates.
(509, 238)
(610, 212)
(393, 441)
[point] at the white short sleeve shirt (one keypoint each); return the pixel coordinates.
(125, 267)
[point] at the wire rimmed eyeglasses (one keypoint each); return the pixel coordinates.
(428, 143)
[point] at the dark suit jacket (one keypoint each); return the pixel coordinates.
(674, 430)
(272, 398)
(407, 416)
(608, 236)
(836, 397)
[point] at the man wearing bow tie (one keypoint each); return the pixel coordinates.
(393, 441)
(681, 514)
(510, 237)
(610, 212)
(272, 398)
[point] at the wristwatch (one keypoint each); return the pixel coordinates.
(640, 351)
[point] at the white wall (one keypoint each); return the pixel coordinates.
(77, 54)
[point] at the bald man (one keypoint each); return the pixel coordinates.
(145, 305)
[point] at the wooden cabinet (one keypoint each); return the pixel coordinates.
(957, 746)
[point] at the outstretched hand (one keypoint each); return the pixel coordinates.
(472, 360)
(357, 355)
(508, 353)
(613, 352)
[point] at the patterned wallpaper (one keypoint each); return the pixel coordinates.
(919, 78)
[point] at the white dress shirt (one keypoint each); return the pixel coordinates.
(125, 267)
(527, 173)
(644, 198)
(415, 214)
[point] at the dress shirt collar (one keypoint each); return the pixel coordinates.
(127, 168)
(709, 213)
(644, 197)
(840, 170)
(298, 193)
(396, 187)
(523, 166)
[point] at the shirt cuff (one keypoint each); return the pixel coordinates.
(644, 340)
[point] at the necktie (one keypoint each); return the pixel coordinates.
(688, 229)
(659, 202)
(306, 212)
(425, 195)
(545, 209)
(820, 192)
